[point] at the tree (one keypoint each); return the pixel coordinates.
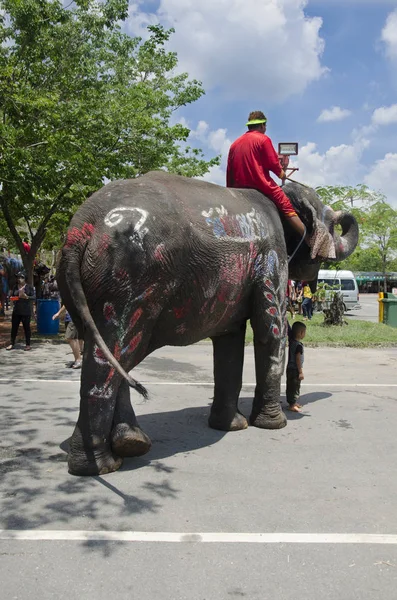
(363, 259)
(378, 227)
(379, 231)
(80, 102)
(346, 197)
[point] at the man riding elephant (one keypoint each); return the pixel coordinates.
(251, 159)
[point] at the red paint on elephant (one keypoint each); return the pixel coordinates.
(79, 236)
(183, 311)
(116, 354)
(135, 317)
(275, 330)
(136, 340)
(269, 284)
(272, 311)
(159, 253)
(235, 269)
(109, 312)
(99, 356)
(121, 275)
(103, 244)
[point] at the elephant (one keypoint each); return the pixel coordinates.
(169, 260)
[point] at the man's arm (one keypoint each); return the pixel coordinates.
(61, 312)
(29, 293)
(270, 158)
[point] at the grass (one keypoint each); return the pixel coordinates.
(357, 334)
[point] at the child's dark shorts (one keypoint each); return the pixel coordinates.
(293, 386)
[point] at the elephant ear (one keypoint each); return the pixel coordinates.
(304, 200)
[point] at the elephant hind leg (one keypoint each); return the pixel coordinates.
(90, 458)
(127, 438)
(90, 451)
(228, 373)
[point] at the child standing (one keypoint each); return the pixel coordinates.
(295, 365)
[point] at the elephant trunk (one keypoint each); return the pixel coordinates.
(345, 243)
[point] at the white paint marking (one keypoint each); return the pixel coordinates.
(207, 538)
(209, 383)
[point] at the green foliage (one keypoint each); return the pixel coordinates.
(81, 101)
(358, 334)
(344, 197)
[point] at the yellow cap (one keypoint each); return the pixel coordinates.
(256, 122)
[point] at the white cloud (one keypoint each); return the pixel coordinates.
(336, 113)
(386, 115)
(383, 177)
(339, 165)
(263, 51)
(211, 142)
(389, 35)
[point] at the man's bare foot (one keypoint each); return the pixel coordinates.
(294, 408)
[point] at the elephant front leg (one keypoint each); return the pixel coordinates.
(90, 445)
(269, 326)
(127, 438)
(228, 373)
(266, 409)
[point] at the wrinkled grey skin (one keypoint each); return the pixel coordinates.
(166, 260)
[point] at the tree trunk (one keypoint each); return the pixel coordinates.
(28, 263)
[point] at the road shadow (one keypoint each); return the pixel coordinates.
(172, 432)
(36, 490)
(245, 404)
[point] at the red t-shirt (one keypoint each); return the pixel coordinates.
(26, 247)
(251, 158)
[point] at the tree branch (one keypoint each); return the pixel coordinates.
(40, 233)
(10, 222)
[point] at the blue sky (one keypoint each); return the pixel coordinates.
(293, 59)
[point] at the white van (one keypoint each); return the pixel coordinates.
(343, 282)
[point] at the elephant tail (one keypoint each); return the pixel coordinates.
(80, 302)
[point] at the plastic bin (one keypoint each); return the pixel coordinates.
(46, 309)
(388, 309)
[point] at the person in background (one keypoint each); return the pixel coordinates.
(49, 290)
(295, 365)
(3, 290)
(71, 336)
(307, 304)
(299, 296)
(24, 294)
(291, 298)
(26, 245)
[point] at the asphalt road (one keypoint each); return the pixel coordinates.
(183, 521)
(369, 310)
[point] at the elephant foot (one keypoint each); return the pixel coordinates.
(93, 463)
(224, 422)
(128, 440)
(266, 421)
(91, 456)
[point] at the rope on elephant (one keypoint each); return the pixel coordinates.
(299, 183)
(298, 246)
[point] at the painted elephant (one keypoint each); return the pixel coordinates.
(166, 260)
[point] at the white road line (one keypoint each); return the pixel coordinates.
(207, 383)
(217, 538)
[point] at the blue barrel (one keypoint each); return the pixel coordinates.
(45, 311)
